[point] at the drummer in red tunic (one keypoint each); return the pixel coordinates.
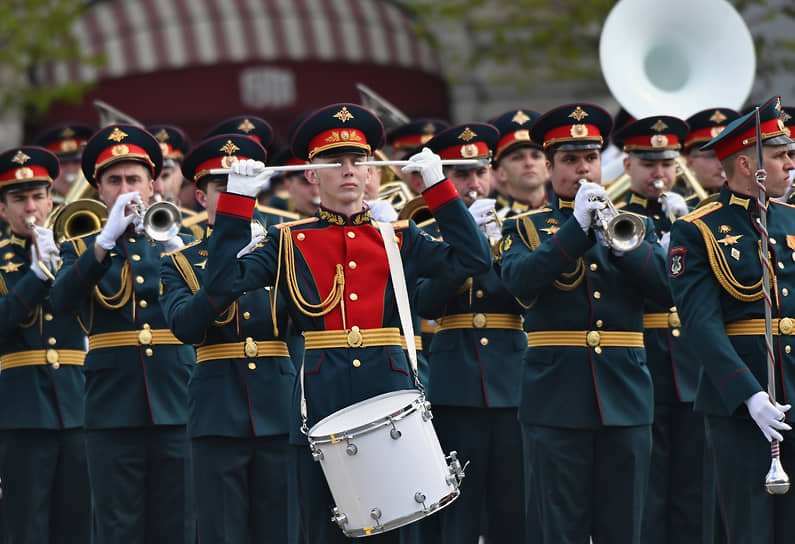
(334, 269)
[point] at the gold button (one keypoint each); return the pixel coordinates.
(787, 349)
(131, 240)
(354, 296)
(675, 333)
(673, 319)
(479, 321)
(351, 234)
(781, 265)
(600, 323)
(785, 292)
(597, 295)
(143, 303)
(773, 241)
(479, 293)
(139, 279)
(785, 325)
(357, 363)
(597, 349)
(301, 236)
(593, 338)
(484, 341)
(52, 356)
(355, 337)
(246, 315)
(352, 265)
(136, 257)
(51, 340)
(148, 352)
(252, 366)
(594, 267)
(48, 317)
(145, 337)
(147, 326)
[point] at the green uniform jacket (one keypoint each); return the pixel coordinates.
(241, 397)
(40, 396)
(125, 386)
(674, 368)
(714, 265)
(570, 282)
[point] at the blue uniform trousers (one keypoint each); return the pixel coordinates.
(674, 505)
(46, 497)
(741, 458)
(590, 482)
(140, 477)
(491, 440)
(241, 485)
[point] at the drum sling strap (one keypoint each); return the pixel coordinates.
(398, 278)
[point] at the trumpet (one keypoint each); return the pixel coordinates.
(30, 221)
(161, 221)
(622, 231)
(659, 184)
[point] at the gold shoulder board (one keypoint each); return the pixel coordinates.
(698, 213)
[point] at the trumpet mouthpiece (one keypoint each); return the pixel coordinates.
(658, 184)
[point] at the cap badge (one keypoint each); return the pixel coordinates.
(162, 135)
(68, 145)
(229, 148)
(659, 140)
(715, 131)
(523, 134)
(121, 149)
(67, 132)
(780, 124)
(246, 126)
(520, 118)
(718, 117)
(659, 126)
(578, 114)
(429, 128)
(343, 115)
(20, 157)
(117, 135)
(578, 131)
(778, 104)
(469, 151)
(23, 173)
(228, 161)
(467, 135)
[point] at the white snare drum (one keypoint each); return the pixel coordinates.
(383, 463)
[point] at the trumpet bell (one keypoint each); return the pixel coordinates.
(161, 221)
(677, 62)
(625, 232)
(77, 219)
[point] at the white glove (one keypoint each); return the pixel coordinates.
(768, 417)
(173, 244)
(44, 253)
(484, 213)
(665, 241)
(257, 235)
(248, 177)
(428, 164)
(117, 221)
(674, 204)
(381, 210)
(590, 197)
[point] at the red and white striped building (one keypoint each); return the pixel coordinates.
(195, 62)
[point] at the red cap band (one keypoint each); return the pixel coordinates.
(338, 137)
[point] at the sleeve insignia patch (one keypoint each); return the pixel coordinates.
(677, 261)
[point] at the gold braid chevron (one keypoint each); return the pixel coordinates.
(287, 251)
(722, 270)
(569, 280)
(3, 287)
(185, 270)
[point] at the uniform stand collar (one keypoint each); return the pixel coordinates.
(335, 218)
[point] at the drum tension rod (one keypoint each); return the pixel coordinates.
(394, 433)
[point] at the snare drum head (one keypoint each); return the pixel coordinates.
(364, 412)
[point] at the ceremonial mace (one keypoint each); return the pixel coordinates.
(776, 480)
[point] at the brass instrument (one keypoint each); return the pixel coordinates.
(396, 193)
(622, 231)
(417, 210)
(161, 221)
(30, 221)
(77, 219)
(80, 188)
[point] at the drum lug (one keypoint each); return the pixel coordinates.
(394, 432)
(420, 498)
(351, 448)
(338, 517)
(317, 455)
(375, 513)
(427, 415)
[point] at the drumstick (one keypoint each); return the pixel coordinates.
(445, 162)
(286, 168)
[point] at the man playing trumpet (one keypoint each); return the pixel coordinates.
(586, 400)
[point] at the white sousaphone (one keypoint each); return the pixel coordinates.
(676, 57)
